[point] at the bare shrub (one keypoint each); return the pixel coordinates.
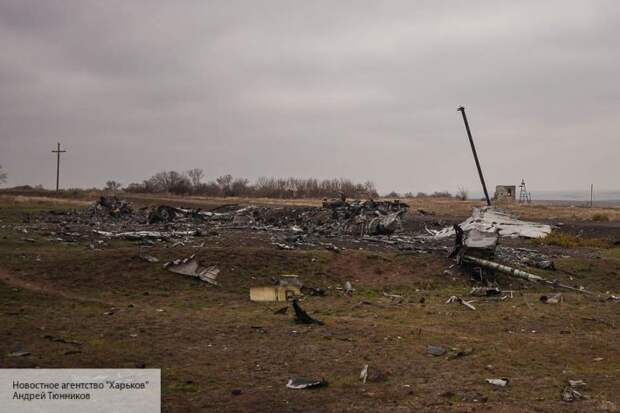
(598, 217)
(461, 194)
(441, 194)
(112, 186)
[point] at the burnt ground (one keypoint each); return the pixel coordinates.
(113, 309)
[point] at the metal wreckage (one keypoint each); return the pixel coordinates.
(370, 223)
(110, 218)
(355, 223)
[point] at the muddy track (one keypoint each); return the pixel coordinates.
(42, 287)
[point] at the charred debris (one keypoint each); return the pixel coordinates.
(290, 227)
(336, 223)
(349, 223)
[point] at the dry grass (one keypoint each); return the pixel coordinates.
(439, 206)
(210, 340)
(40, 200)
(558, 212)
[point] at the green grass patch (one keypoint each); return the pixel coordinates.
(614, 253)
(565, 240)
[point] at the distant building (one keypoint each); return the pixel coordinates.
(505, 193)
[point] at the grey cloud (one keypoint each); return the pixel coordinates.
(361, 89)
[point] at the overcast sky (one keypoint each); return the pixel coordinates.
(361, 89)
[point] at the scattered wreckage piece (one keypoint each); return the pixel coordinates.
(283, 246)
(577, 383)
(570, 395)
(478, 244)
(191, 267)
(527, 257)
(503, 382)
(300, 383)
(485, 292)
(394, 298)
(522, 274)
(484, 242)
(274, 293)
(286, 287)
(113, 206)
(163, 213)
(140, 235)
(373, 375)
(18, 354)
(539, 263)
(61, 340)
(436, 351)
(552, 299)
(364, 374)
(281, 311)
(477, 247)
(456, 352)
(491, 219)
(288, 279)
(314, 291)
(385, 224)
(148, 258)
(301, 317)
(459, 300)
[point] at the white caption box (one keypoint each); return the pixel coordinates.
(80, 390)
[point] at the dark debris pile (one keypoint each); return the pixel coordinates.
(354, 221)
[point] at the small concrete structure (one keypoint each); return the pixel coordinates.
(505, 193)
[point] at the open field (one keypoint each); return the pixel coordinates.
(69, 305)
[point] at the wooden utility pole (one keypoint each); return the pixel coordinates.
(58, 152)
(591, 195)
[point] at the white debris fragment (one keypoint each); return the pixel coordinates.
(364, 374)
(190, 266)
(459, 300)
(138, 235)
(491, 219)
(503, 382)
(301, 383)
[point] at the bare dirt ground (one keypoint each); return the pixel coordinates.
(72, 306)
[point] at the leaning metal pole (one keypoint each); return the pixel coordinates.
(473, 149)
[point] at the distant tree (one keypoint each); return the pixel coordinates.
(441, 194)
(112, 186)
(225, 183)
(461, 194)
(224, 180)
(195, 175)
(210, 189)
(393, 194)
(170, 181)
(3, 175)
(370, 190)
(408, 195)
(239, 187)
(421, 195)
